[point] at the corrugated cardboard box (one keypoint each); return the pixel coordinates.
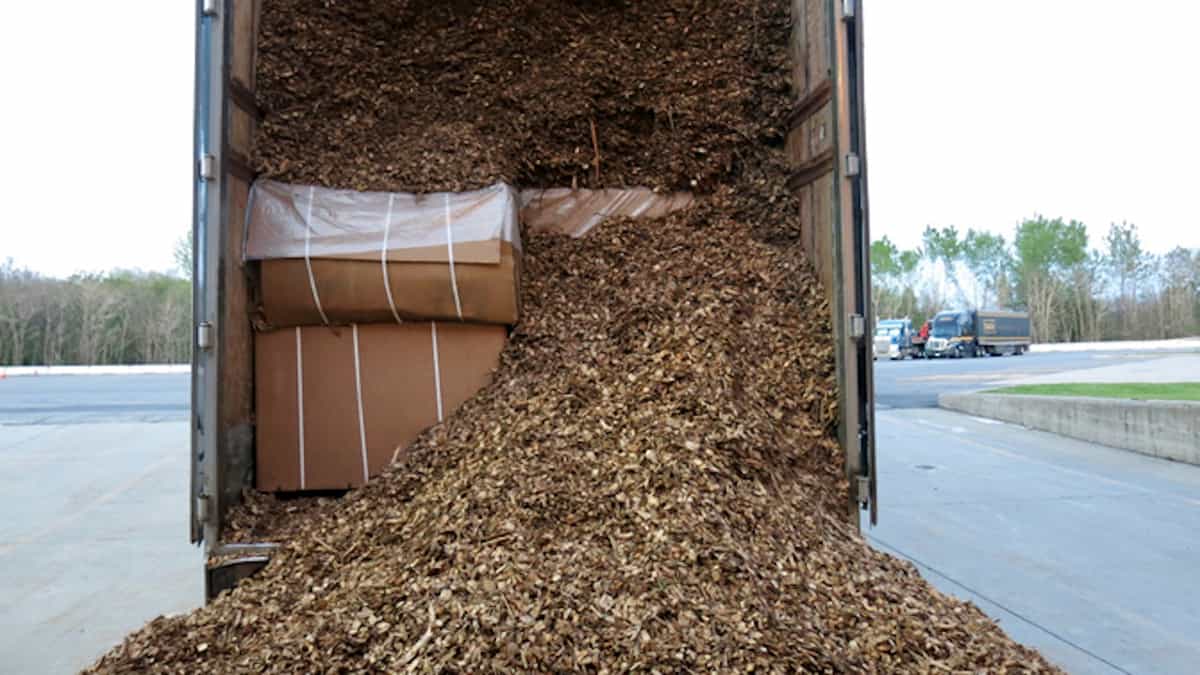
(334, 405)
(340, 256)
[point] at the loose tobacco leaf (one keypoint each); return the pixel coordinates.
(652, 483)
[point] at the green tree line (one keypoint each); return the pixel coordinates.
(115, 318)
(1072, 290)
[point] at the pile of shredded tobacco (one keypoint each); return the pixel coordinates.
(652, 482)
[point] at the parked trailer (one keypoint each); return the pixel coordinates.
(970, 333)
(825, 145)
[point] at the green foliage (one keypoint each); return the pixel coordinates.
(891, 279)
(116, 318)
(1049, 270)
(884, 259)
(985, 253)
(987, 257)
(1049, 246)
(943, 244)
(1052, 279)
(908, 261)
(1125, 255)
(1154, 391)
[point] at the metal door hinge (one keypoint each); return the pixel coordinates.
(207, 167)
(853, 165)
(848, 9)
(863, 491)
(858, 326)
(202, 508)
(209, 8)
(204, 336)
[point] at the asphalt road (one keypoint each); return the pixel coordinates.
(1087, 553)
(916, 383)
(79, 399)
(93, 487)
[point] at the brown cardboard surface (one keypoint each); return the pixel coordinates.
(398, 392)
(398, 381)
(353, 291)
(332, 457)
(275, 400)
(466, 356)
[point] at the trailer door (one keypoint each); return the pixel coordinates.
(223, 349)
(856, 238)
(826, 146)
(206, 210)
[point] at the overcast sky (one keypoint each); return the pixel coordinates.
(96, 133)
(979, 114)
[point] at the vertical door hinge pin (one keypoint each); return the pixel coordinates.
(202, 508)
(853, 165)
(858, 326)
(207, 167)
(204, 336)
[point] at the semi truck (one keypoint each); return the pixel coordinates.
(825, 145)
(895, 340)
(971, 333)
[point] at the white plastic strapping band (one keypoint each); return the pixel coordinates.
(450, 258)
(312, 281)
(362, 427)
(300, 401)
(387, 283)
(437, 370)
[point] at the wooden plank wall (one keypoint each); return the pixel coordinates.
(236, 400)
(811, 140)
(816, 140)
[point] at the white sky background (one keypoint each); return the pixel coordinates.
(979, 114)
(96, 132)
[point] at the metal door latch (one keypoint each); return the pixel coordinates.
(209, 8)
(863, 491)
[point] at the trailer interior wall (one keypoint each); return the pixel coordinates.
(825, 144)
(826, 79)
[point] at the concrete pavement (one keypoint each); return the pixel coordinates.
(77, 399)
(93, 542)
(1165, 429)
(1086, 553)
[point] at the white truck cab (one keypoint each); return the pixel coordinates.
(893, 338)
